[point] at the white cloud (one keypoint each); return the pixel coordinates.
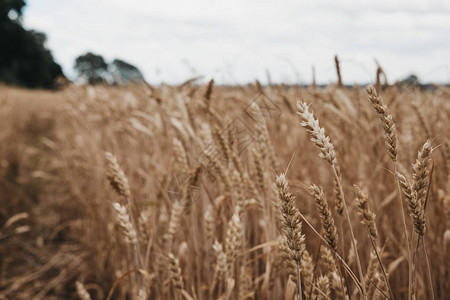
(237, 41)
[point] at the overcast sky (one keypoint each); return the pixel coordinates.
(237, 41)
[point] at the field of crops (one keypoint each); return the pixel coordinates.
(217, 192)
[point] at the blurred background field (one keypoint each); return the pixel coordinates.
(57, 207)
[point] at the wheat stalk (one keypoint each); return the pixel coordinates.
(328, 153)
(391, 142)
(368, 219)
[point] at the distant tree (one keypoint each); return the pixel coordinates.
(410, 80)
(91, 68)
(124, 73)
(24, 59)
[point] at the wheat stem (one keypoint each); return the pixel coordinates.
(358, 261)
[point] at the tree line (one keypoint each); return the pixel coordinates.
(26, 61)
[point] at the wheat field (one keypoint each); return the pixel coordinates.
(225, 192)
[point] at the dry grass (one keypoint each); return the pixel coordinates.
(186, 203)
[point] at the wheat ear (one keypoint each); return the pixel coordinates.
(307, 271)
(326, 217)
(336, 283)
(233, 241)
(223, 143)
(181, 156)
(208, 91)
(221, 260)
(390, 132)
(266, 146)
(119, 183)
(116, 176)
(316, 132)
(421, 173)
(82, 292)
(125, 222)
(209, 221)
(175, 272)
(366, 215)
(338, 71)
(292, 224)
(338, 197)
(285, 256)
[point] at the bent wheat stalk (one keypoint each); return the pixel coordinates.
(391, 141)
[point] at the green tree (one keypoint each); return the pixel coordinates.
(92, 68)
(24, 59)
(124, 72)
